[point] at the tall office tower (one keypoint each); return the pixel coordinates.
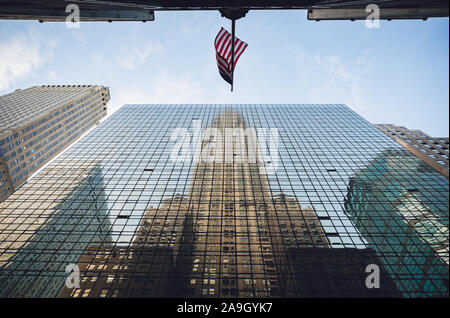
(39, 122)
(228, 237)
(242, 201)
(434, 151)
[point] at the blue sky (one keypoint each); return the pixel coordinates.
(396, 74)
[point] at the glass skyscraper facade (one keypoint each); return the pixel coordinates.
(229, 201)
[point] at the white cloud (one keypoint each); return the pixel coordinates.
(329, 79)
(137, 56)
(98, 58)
(52, 75)
(164, 88)
(19, 56)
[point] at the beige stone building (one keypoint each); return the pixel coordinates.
(39, 122)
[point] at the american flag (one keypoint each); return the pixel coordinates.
(223, 53)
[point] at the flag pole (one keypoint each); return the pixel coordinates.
(232, 52)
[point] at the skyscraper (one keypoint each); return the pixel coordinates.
(236, 201)
(39, 122)
(434, 151)
(227, 237)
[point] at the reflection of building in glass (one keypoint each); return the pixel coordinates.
(149, 267)
(337, 273)
(55, 229)
(240, 230)
(394, 211)
(122, 271)
(230, 237)
(224, 228)
(39, 122)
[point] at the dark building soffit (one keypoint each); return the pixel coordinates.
(143, 10)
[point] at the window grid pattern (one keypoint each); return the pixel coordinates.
(137, 224)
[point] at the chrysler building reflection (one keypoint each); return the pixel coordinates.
(230, 236)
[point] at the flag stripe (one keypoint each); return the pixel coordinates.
(227, 49)
(222, 45)
(237, 46)
(238, 54)
(223, 65)
(224, 69)
(219, 36)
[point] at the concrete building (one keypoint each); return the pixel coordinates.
(39, 122)
(434, 151)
